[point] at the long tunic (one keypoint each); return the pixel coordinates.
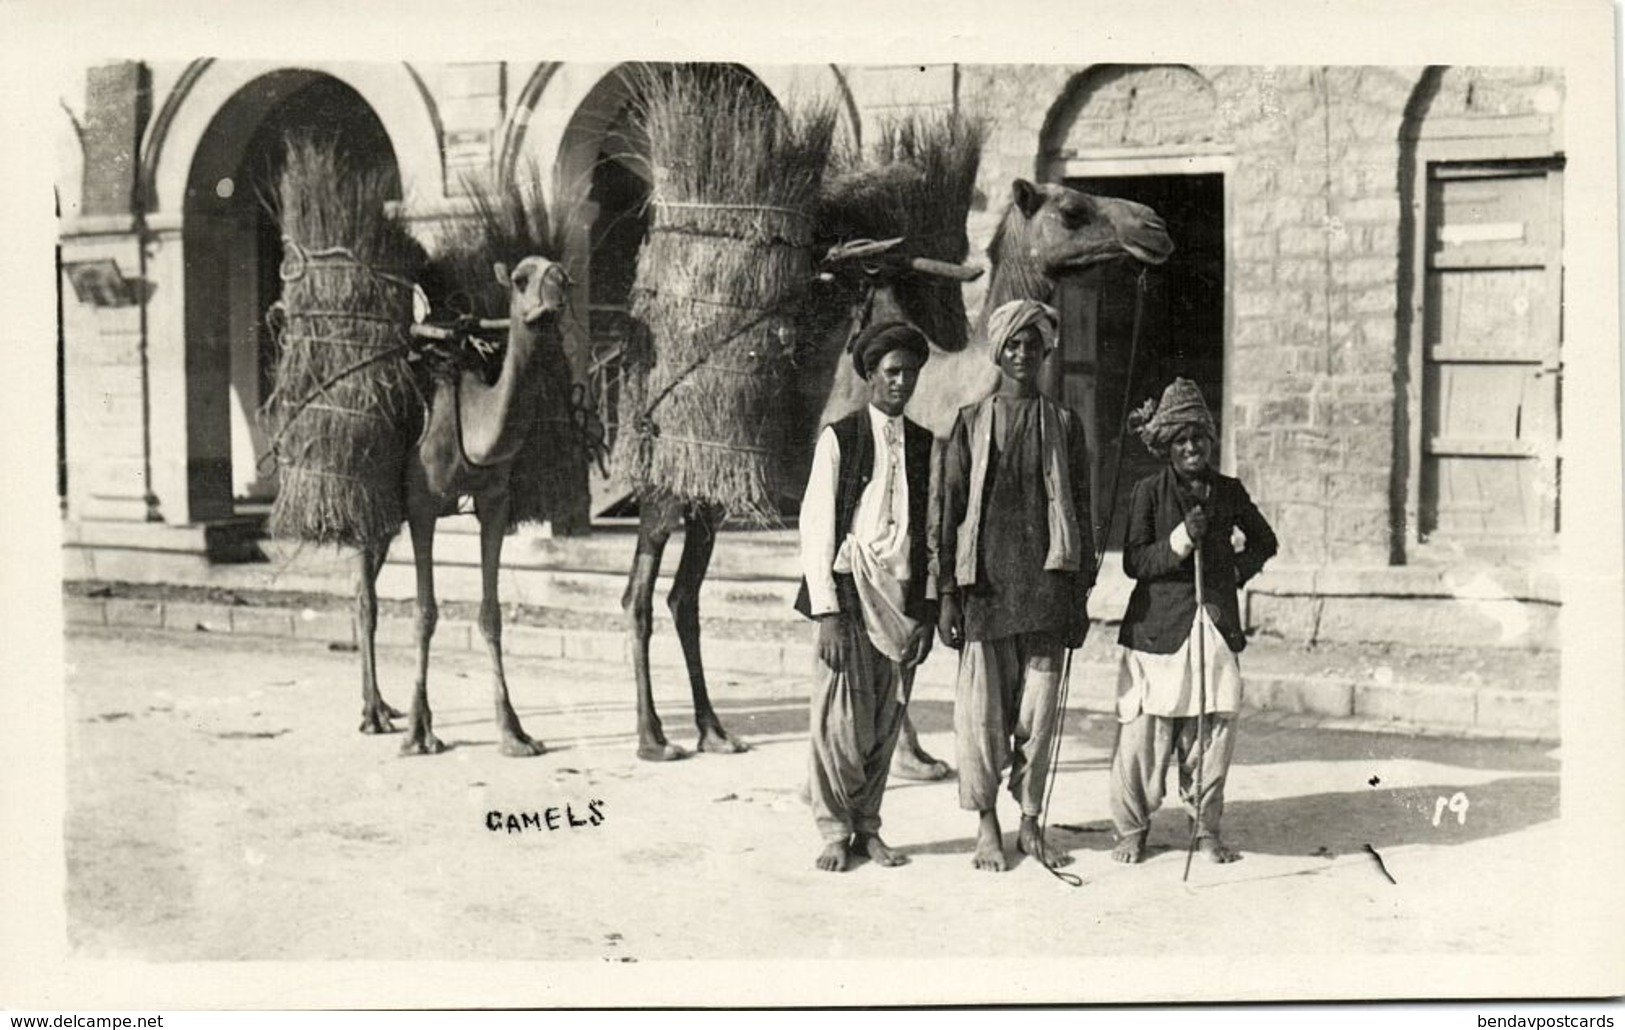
(1012, 591)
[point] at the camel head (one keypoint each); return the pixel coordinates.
(1052, 229)
(537, 288)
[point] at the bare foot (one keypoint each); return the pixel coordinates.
(916, 764)
(1031, 843)
(1129, 850)
(990, 844)
(1216, 852)
(834, 857)
(877, 850)
(715, 740)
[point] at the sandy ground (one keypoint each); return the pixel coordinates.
(222, 806)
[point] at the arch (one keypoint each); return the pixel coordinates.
(392, 91)
(1120, 106)
(562, 117)
(70, 164)
(232, 247)
(557, 96)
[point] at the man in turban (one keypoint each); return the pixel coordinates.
(1013, 572)
(864, 566)
(1173, 513)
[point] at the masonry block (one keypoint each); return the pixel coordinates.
(1533, 712)
(263, 622)
(394, 631)
(1428, 705)
(595, 647)
(123, 611)
(330, 626)
(84, 611)
(1288, 616)
(534, 641)
(1329, 698)
(186, 617)
(746, 655)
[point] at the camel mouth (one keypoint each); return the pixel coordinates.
(537, 315)
(1152, 250)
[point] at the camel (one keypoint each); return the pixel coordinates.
(471, 437)
(1048, 231)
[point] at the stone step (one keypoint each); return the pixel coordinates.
(754, 575)
(1325, 700)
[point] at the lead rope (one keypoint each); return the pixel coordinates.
(1099, 557)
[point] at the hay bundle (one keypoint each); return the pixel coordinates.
(917, 180)
(509, 223)
(727, 263)
(345, 406)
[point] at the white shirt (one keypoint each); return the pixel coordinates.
(877, 525)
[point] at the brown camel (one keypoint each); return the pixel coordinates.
(472, 435)
(1048, 231)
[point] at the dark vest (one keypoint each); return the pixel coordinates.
(857, 464)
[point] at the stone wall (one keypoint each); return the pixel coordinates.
(1315, 180)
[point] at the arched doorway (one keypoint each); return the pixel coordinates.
(233, 250)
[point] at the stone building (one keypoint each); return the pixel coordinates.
(1368, 287)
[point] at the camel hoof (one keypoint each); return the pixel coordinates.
(427, 744)
(661, 752)
(721, 744)
(377, 723)
(522, 747)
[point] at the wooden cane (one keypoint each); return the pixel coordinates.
(1201, 711)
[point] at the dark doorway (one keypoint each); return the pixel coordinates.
(1181, 328)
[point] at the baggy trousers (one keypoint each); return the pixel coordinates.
(857, 714)
(1146, 747)
(1004, 713)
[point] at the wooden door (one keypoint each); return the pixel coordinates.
(1492, 353)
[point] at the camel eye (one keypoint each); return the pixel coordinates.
(1074, 215)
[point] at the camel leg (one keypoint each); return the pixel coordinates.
(420, 738)
(492, 510)
(375, 712)
(699, 540)
(655, 522)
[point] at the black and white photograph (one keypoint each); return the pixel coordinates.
(1049, 505)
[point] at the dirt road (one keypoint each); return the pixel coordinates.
(222, 806)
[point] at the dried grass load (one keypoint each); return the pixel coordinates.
(727, 264)
(916, 180)
(345, 407)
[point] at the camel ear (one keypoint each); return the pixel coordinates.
(501, 270)
(1028, 197)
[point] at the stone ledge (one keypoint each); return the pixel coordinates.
(1430, 709)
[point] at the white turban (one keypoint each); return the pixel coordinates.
(1009, 319)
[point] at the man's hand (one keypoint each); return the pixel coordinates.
(831, 633)
(951, 621)
(918, 647)
(1196, 524)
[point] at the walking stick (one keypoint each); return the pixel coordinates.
(1201, 712)
(1098, 560)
